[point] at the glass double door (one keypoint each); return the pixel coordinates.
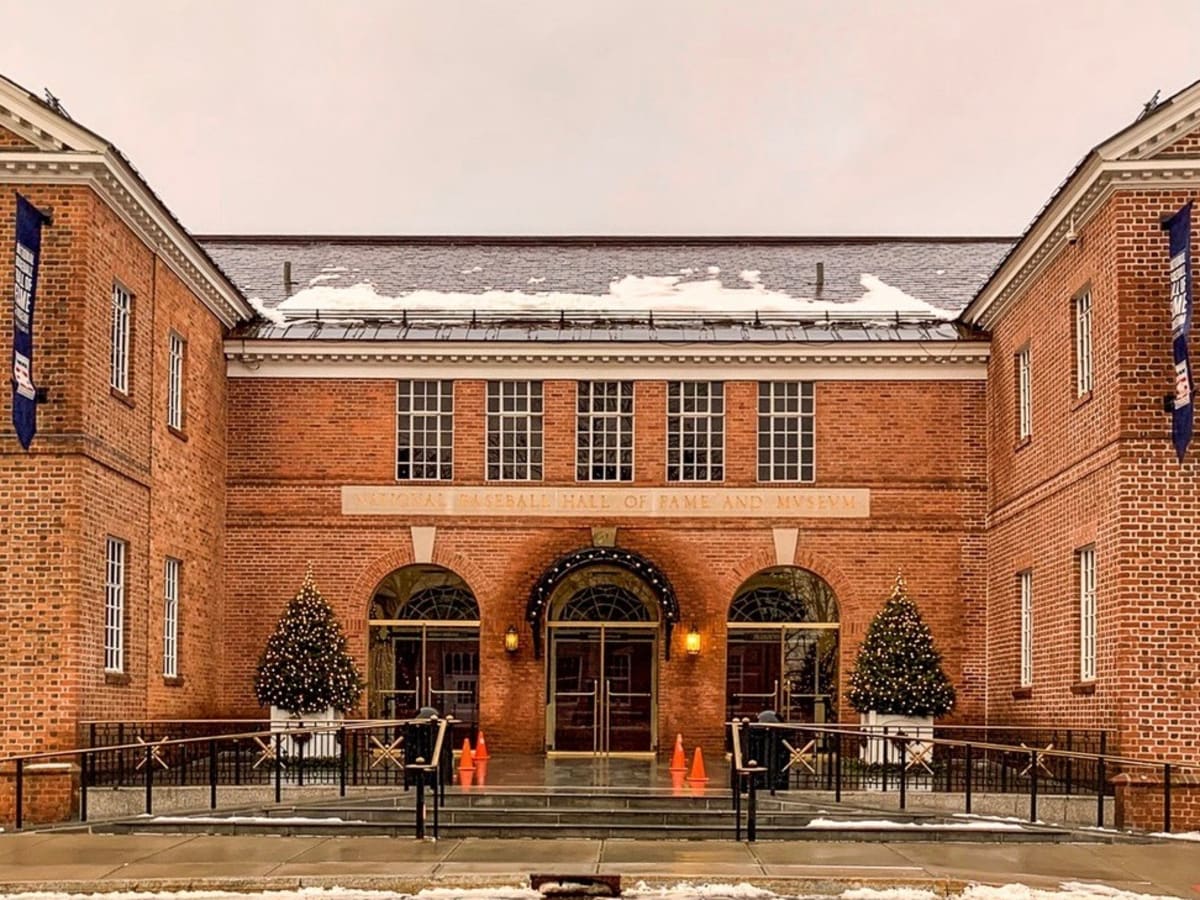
(602, 689)
(788, 669)
(433, 666)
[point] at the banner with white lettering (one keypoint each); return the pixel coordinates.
(29, 248)
(1180, 228)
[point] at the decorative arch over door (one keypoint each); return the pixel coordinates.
(633, 563)
(783, 645)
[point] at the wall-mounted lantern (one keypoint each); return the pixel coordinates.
(512, 640)
(692, 641)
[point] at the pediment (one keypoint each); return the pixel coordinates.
(35, 125)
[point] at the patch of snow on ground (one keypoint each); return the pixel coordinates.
(687, 891)
(1068, 890)
(1177, 835)
(634, 293)
(251, 820)
(886, 824)
(888, 894)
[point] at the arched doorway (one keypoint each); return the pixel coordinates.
(783, 647)
(424, 645)
(604, 612)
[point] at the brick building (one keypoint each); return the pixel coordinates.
(533, 475)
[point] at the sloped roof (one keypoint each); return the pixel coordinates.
(942, 272)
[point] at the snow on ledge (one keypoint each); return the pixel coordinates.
(888, 825)
(633, 293)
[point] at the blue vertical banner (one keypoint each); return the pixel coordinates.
(1179, 227)
(29, 250)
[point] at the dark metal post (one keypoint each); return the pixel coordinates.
(903, 746)
(967, 765)
(420, 809)
(212, 774)
(887, 758)
(837, 761)
(770, 745)
(278, 766)
(1033, 780)
(20, 791)
(1167, 798)
(752, 810)
(737, 804)
(1100, 789)
(436, 791)
(121, 755)
(1070, 763)
(83, 784)
(342, 761)
(299, 741)
(149, 779)
(237, 761)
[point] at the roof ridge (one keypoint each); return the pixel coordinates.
(602, 239)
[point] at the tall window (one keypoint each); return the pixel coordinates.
(785, 431)
(1026, 581)
(695, 431)
(122, 304)
(514, 430)
(114, 605)
(175, 353)
(424, 430)
(1087, 614)
(1083, 343)
(1024, 394)
(604, 431)
(171, 618)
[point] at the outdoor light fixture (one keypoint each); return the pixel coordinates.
(692, 641)
(511, 639)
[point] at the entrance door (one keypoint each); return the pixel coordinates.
(602, 689)
(435, 666)
(789, 670)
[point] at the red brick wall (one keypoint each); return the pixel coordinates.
(1098, 470)
(1186, 146)
(103, 465)
(919, 448)
(11, 141)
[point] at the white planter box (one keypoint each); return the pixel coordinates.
(322, 744)
(877, 750)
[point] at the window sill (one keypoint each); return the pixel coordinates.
(178, 432)
(1023, 693)
(1084, 688)
(173, 681)
(118, 678)
(122, 396)
(1081, 401)
(1022, 443)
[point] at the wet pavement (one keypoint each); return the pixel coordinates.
(82, 861)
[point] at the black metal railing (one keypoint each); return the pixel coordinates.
(788, 756)
(362, 753)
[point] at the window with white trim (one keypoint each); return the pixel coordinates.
(171, 579)
(1087, 614)
(785, 431)
(1083, 343)
(122, 308)
(695, 431)
(114, 605)
(175, 355)
(1026, 583)
(514, 431)
(604, 431)
(424, 430)
(1024, 394)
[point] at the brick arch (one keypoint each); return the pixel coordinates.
(369, 578)
(753, 563)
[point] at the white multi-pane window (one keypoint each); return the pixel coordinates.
(604, 431)
(1024, 394)
(114, 605)
(171, 617)
(1083, 343)
(1026, 581)
(424, 430)
(695, 431)
(122, 306)
(1087, 614)
(785, 431)
(514, 431)
(175, 354)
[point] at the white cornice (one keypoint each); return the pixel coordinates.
(124, 193)
(849, 361)
(1070, 212)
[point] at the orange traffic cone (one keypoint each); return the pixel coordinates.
(679, 757)
(466, 760)
(698, 775)
(481, 752)
(480, 772)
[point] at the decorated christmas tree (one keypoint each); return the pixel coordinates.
(305, 667)
(899, 671)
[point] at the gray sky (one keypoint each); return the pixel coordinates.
(614, 116)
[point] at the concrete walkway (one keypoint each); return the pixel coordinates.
(95, 862)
